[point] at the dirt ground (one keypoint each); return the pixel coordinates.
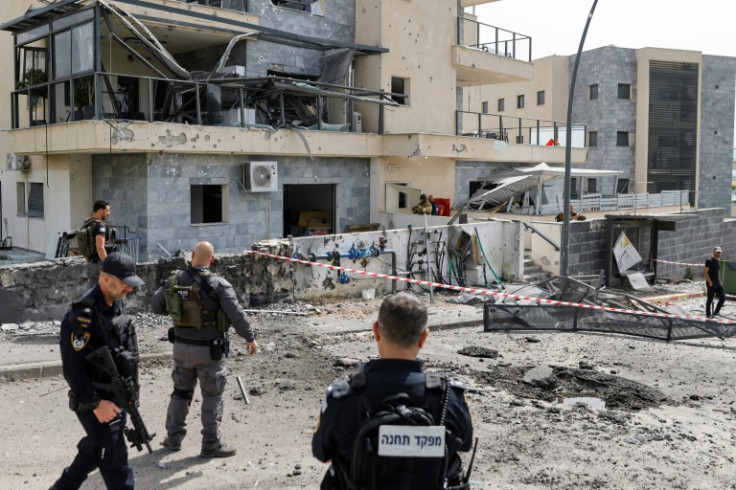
(550, 410)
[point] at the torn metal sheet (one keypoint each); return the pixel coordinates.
(150, 40)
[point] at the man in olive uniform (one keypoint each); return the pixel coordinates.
(97, 319)
(400, 332)
(101, 236)
(202, 306)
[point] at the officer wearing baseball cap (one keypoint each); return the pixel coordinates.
(95, 320)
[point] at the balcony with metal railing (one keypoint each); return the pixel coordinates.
(518, 130)
(487, 54)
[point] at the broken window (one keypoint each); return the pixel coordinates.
(35, 200)
(208, 204)
(400, 87)
(20, 189)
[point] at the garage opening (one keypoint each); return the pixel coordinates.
(309, 209)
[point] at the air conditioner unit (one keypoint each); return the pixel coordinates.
(18, 162)
(260, 176)
(357, 122)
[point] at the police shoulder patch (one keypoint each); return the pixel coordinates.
(338, 389)
(80, 341)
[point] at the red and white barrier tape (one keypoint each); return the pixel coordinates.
(694, 265)
(678, 263)
(482, 291)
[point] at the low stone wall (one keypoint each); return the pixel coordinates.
(45, 290)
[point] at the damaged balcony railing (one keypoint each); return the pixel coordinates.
(518, 130)
(269, 102)
(491, 39)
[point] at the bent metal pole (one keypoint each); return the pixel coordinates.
(565, 245)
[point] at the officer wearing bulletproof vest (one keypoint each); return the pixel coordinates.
(399, 333)
(101, 234)
(202, 306)
(95, 320)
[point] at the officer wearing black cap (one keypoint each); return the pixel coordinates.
(202, 306)
(95, 320)
(399, 332)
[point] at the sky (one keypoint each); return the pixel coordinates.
(556, 27)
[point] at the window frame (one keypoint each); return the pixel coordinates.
(592, 139)
(501, 104)
(202, 196)
(520, 101)
(541, 97)
(484, 107)
(405, 86)
(619, 139)
(627, 88)
(20, 199)
(593, 91)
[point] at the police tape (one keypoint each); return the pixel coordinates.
(678, 263)
(541, 301)
(694, 265)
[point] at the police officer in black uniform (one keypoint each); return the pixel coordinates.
(202, 306)
(400, 333)
(97, 319)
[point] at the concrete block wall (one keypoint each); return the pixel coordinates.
(337, 24)
(26, 296)
(154, 198)
(607, 66)
(716, 131)
(587, 253)
(693, 241)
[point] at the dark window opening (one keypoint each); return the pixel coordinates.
(540, 97)
(400, 87)
(624, 91)
(208, 204)
(622, 138)
(520, 139)
(519, 101)
(309, 209)
(622, 187)
(501, 105)
(311, 6)
(593, 91)
(485, 107)
(35, 200)
(592, 138)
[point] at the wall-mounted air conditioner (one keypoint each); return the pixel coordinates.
(260, 177)
(19, 162)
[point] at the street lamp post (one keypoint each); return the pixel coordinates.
(565, 245)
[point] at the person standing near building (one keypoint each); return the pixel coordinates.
(202, 306)
(713, 284)
(97, 238)
(400, 333)
(423, 206)
(96, 320)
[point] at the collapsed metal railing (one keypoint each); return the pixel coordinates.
(560, 318)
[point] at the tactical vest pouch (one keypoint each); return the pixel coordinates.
(173, 304)
(184, 303)
(223, 322)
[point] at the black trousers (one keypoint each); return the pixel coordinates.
(103, 447)
(715, 290)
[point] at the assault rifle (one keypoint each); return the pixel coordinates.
(124, 394)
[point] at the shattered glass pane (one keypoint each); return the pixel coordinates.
(82, 48)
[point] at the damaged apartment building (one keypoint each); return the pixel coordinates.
(234, 121)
